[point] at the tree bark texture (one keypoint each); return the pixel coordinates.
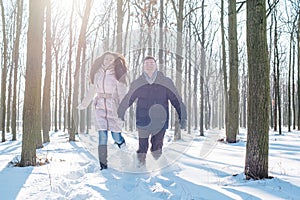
(32, 96)
(233, 94)
(46, 119)
(4, 71)
(257, 148)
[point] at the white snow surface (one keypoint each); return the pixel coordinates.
(192, 168)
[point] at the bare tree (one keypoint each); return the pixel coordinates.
(244, 96)
(69, 74)
(195, 89)
(298, 37)
(291, 24)
(81, 44)
(179, 19)
(46, 108)
(120, 16)
(257, 148)
(289, 82)
(82, 90)
(15, 68)
(232, 127)
(4, 71)
(56, 49)
(202, 70)
(161, 38)
(293, 89)
(276, 74)
(32, 96)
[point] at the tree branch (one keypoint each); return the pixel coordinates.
(191, 11)
(272, 6)
(175, 10)
(240, 7)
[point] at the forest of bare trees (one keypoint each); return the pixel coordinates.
(236, 64)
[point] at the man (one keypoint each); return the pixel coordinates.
(153, 91)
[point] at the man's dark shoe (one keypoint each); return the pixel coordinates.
(141, 163)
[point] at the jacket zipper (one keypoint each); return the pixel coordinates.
(105, 106)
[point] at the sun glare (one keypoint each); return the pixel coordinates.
(67, 5)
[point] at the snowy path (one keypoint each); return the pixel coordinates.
(194, 168)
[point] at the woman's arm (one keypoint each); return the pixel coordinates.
(121, 90)
(88, 98)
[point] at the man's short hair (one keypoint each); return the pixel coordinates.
(148, 58)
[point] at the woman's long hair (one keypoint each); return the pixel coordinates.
(119, 63)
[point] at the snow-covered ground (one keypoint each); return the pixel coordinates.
(192, 168)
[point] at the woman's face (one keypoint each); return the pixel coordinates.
(108, 60)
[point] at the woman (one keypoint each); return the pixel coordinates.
(108, 85)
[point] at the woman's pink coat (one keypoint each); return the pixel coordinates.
(108, 93)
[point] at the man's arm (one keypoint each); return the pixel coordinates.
(177, 102)
(127, 101)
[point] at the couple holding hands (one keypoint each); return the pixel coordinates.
(152, 92)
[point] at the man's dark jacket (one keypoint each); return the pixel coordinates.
(152, 107)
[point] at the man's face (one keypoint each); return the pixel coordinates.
(150, 66)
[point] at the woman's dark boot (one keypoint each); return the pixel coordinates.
(102, 153)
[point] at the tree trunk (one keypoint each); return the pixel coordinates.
(274, 103)
(293, 89)
(161, 36)
(81, 43)
(195, 89)
(272, 99)
(46, 108)
(56, 52)
(257, 148)
(32, 95)
(9, 100)
(207, 108)
(224, 67)
(289, 83)
(189, 78)
(4, 71)
(66, 103)
(298, 72)
(60, 100)
(233, 94)
(15, 66)
(70, 75)
(177, 135)
(125, 38)
(120, 15)
(244, 97)
(202, 69)
(82, 90)
(276, 66)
